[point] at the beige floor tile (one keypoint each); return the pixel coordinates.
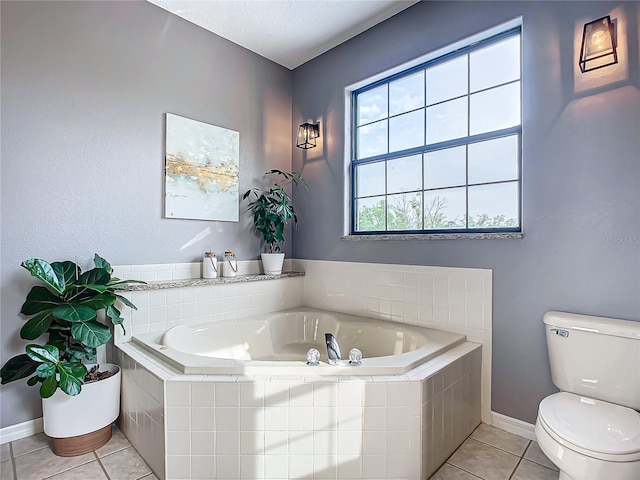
(91, 470)
(532, 471)
(30, 444)
(126, 464)
(150, 477)
(499, 438)
(5, 452)
(118, 442)
(483, 460)
(6, 470)
(44, 463)
(449, 472)
(536, 455)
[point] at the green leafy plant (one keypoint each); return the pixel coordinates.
(272, 209)
(67, 309)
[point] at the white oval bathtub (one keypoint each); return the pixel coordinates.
(277, 343)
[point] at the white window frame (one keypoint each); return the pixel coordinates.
(497, 33)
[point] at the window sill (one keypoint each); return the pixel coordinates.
(436, 236)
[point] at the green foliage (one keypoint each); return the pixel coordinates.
(434, 215)
(66, 308)
(371, 218)
(272, 209)
(403, 212)
(484, 221)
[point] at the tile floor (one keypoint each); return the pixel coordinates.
(31, 458)
(493, 454)
(489, 454)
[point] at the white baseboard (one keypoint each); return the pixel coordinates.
(513, 425)
(21, 430)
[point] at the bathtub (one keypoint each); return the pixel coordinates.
(277, 343)
(242, 389)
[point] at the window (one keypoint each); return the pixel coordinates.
(436, 148)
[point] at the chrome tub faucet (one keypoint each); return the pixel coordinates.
(333, 349)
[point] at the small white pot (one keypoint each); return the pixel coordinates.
(272, 263)
(95, 407)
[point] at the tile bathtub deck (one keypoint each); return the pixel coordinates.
(488, 454)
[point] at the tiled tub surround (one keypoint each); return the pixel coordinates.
(161, 309)
(439, 404)
(143, 390)
(143, 408)
(457, 300)
(230, 427)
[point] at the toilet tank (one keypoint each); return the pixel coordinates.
(596, 357)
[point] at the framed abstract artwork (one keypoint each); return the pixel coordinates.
(201, 170)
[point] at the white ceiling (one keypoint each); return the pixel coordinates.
(287, 32)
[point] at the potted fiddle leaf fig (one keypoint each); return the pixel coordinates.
(79, 404)
(272, 209)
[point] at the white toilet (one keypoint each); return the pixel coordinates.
(591, 429)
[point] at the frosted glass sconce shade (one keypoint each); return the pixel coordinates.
(598, 45)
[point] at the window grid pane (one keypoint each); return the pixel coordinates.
(372, 106)
(427, 117)
(406, 131)
(406, 94)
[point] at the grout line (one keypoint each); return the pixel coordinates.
(35, 450)
(118, 451)
(68, 468)
(543, 466)
(12, 459)
(101, 465)
(514, 470)
(527, 448)
(466, 471)
(520, 460)
(531, 459)
(502, 449)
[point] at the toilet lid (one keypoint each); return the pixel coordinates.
(592, 424)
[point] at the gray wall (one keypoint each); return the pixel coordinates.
(581, 174)
(85, 86)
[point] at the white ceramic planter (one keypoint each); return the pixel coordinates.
(272, 263)
(97, 406)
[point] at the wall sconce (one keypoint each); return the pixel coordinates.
(598, 45)
(307, 134)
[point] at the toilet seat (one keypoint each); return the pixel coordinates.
(591, 427)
